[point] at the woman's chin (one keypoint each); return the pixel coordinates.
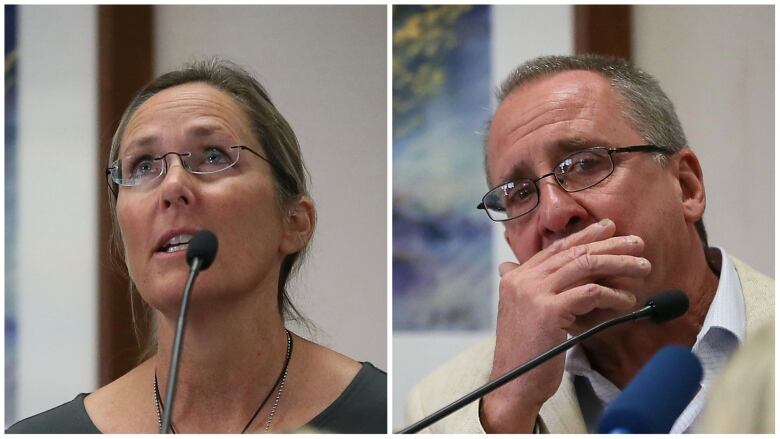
(165, 293)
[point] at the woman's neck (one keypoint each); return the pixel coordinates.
(233, 352)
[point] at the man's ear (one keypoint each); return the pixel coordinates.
(691, 181)
(299, 221)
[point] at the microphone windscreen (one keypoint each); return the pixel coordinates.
(668, 305)
(204, 247)
(657, 395)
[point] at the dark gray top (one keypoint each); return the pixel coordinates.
(361, 408)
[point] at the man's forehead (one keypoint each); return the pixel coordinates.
(575, 88)
(574, 99)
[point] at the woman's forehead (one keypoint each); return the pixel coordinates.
(193, 110)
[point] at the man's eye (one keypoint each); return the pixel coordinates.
(583, 164)
(519, 193)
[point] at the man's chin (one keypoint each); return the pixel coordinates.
(591, 319)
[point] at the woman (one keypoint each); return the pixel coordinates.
(204, 148)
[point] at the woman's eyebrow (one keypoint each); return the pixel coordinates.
(143, 142)
(205, 130)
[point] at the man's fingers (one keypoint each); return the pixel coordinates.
(617, 245)
(588, 267)
(506, 267)
(594, 232)
(586, 298)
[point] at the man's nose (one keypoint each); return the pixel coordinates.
(559, 211)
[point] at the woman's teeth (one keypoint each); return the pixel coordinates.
(176, 248)
(177, 243)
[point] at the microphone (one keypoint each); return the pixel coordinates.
(202, 249)
(660, 308)
(201, 252)
(658, 394)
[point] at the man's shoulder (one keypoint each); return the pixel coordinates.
(759, 293)
(470, 370)
(752, 279)
(458, 376)
(470, 367)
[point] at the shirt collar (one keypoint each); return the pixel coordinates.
(727, 312)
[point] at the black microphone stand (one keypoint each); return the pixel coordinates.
(173, 372)
(645, 311)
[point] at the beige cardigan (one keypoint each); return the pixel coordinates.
(561, 413)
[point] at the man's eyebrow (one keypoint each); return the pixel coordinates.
(557, 150)
(569, 145)
(516, 172)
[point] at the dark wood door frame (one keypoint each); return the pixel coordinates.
(125, 64)
(603, 29)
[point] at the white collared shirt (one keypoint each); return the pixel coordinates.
(722, 332)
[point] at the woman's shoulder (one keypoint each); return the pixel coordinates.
(70, 417)
(368, 391)
(361, 407)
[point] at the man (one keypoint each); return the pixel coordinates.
(602, 203)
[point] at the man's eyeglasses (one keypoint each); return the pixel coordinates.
(142, 169)
(578, 171)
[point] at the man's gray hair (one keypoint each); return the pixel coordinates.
(645, 106)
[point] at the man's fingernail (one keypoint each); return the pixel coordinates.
(605, 222)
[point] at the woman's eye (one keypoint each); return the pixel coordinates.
(215, 155)
(143, 167)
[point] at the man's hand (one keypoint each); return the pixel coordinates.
(538, 303)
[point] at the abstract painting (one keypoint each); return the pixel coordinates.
(441, 104)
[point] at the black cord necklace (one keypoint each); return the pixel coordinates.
(158, 405)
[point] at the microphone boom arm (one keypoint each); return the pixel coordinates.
(173, 372)
(643, 312)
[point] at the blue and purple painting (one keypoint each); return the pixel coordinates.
(10, 211)
(441, 103)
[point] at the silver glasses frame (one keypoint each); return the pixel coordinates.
(610, 151)
(111, 170)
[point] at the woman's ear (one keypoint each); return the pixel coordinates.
(691, 182)
(300, 218)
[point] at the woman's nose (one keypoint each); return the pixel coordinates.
(177, 182)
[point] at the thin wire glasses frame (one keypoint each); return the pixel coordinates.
(578, 171)
(114, 172)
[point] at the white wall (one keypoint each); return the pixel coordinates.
(325, 68)
(518, 33)
(716, 63)
(57, 292)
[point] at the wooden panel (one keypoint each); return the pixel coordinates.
(603, 29)
(125, 64)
